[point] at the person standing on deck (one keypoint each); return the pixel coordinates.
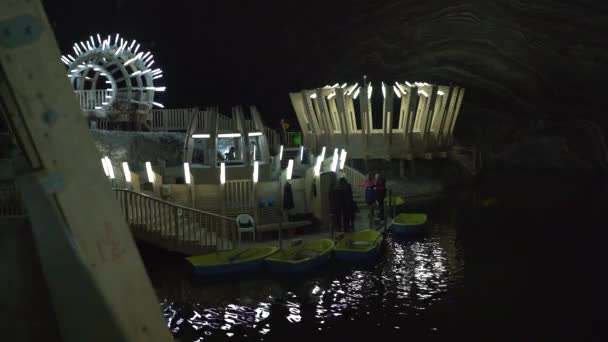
(380, 194)
(284, 126)
(368, 184)
(348, 206)
(337, 205)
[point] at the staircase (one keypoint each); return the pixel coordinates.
(289, 153)
(174, 227)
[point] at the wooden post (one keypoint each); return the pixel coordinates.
(105, 274)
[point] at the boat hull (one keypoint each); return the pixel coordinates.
(229, 269)
(298, 267)
(357, 256)
(408, 230)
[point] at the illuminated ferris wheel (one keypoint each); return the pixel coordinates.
(112, 76)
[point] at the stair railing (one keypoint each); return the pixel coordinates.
(185, 226)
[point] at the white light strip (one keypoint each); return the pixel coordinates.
(201, 136)
(105, 167)
(408, 84)
(222, 173)
(289, 169)
(229, 135)
(256, 171)
(344, 85)
(132, 44)
(110, 167)
(116, 41)
(318, 166)
(334, 161)
(254, 134)
(350, 91)
(383, 90)
(130, 61)
(356, 93)
(125, 169)
(99, 39)
(281, 153)
(313, 96)
(301, 153)
(397, 92)
(158, 76)
(323, 153)
(151, 176)
(149, 58)
(146, 55)
(336, 85)
(136, 48)
(440, 93)
(369, 91)
(423, 93)
(254, 151)
(149, 64)
(187, 178)
(331, 96)
(342, 158)
(157, 104)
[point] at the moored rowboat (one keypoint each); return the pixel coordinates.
(301, 258)
(360, 246)
(409, 224)
(230, 262)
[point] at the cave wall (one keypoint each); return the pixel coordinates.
(519, 60)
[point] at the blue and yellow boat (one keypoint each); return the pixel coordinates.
(304, 257)
(230, 262)
(359, 246)
(409, 224)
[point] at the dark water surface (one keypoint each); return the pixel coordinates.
(523, 275)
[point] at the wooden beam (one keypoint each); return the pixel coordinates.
(55, 140)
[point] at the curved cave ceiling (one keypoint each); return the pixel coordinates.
(523, 59)
(517, 59)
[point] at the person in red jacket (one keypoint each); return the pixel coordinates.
(380, 194)
(368, 184)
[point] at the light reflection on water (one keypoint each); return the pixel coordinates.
(410, 278)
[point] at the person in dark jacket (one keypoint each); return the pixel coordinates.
(380, 194)
(288, 202)
(336, 205)
(348, 206)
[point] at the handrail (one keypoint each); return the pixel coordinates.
(188, 229)
(177, 205)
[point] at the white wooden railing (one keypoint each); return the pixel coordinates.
(354, 178)
(90, 99)
(185, 227)
(239, 195)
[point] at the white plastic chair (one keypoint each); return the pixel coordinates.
(246, 224)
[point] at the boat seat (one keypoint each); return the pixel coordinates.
(305, 254)
(271, 227)
(362, 243)
(245, 224)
